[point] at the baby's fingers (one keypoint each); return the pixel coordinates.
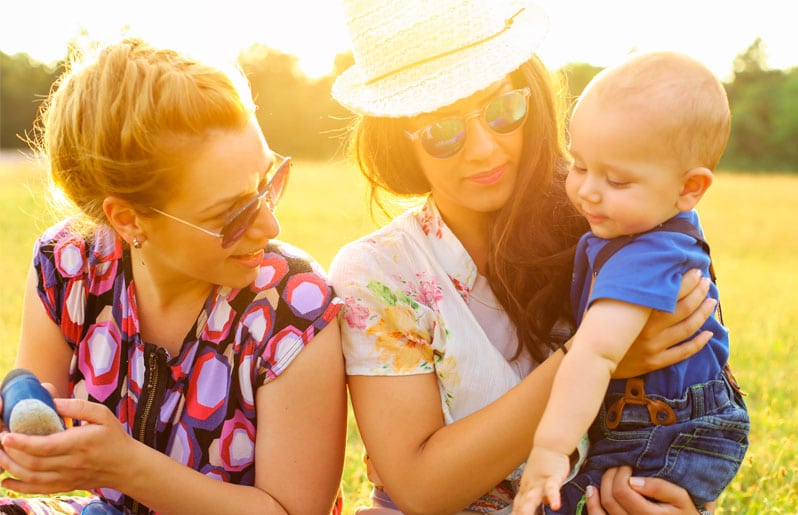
(553, 493)
(527, 502)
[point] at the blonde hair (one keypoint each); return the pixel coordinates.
(119, 122)
(678, 94)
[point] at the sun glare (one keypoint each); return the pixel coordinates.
(597, 33)
(311, 30)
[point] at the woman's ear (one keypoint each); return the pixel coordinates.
(124, 219)
(695, 183)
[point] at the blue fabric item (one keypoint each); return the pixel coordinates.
(648, 272)
(99, 508)
(22, 391)
(701, 452)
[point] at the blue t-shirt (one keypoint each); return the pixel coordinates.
(648, 272)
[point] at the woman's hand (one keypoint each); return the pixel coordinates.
(80, 458)
(656, 347)
(622, 494)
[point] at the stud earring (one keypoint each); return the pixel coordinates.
(136, 243)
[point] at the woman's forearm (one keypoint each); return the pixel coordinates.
(169, 487)
(429, 467)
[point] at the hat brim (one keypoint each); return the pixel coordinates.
(429, 86)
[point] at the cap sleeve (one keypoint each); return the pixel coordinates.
(303, 304)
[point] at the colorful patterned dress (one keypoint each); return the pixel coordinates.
(197, 407)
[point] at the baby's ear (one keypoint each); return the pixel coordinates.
(696, 182)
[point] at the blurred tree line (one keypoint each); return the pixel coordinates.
(299, 117)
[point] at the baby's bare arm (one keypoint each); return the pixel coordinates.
(607, 331)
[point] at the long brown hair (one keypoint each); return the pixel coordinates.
(534, 234)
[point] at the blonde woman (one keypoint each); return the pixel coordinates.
(198, 356)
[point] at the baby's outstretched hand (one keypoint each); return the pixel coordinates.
(543, 476)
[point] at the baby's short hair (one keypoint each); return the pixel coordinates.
(678, 92)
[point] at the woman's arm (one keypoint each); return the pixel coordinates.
(42, 348)
(429, 467)
(99, 453)
(301, 438)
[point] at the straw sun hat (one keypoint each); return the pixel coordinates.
(416, 56)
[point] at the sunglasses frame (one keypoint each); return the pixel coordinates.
(477, 113)
(281, 171)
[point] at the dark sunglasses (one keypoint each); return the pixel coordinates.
(241, 220)
(446, 137)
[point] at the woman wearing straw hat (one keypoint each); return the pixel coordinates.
(453, 310)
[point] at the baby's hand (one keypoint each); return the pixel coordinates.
(544, 474)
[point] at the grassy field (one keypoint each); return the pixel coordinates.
(750, 222)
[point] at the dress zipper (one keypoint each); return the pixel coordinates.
(155, 358)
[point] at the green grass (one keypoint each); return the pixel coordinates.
(750, 221)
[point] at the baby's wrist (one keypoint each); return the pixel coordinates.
(544, 448)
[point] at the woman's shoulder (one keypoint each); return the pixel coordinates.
(71, 258)
(287, 268)
(72, 240)
(290, 284)
(379, 246)
(58, 232)
(292, 299)
(294, 259)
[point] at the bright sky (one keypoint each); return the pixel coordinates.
(598, 32)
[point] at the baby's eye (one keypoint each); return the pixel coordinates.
(578, 167)
(616, 184)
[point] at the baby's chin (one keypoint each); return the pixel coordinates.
(602, 231)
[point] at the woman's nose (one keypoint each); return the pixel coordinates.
(480, 140)
(265, 225)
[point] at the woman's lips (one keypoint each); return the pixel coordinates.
(250, 260)
(488, 178)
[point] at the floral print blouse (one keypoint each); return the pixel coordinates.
(204, 398)
(405, 290)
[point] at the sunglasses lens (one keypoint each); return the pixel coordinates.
(507, 112)
(444, 138)
(503, 115)
(277, 185)
(237, 226)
